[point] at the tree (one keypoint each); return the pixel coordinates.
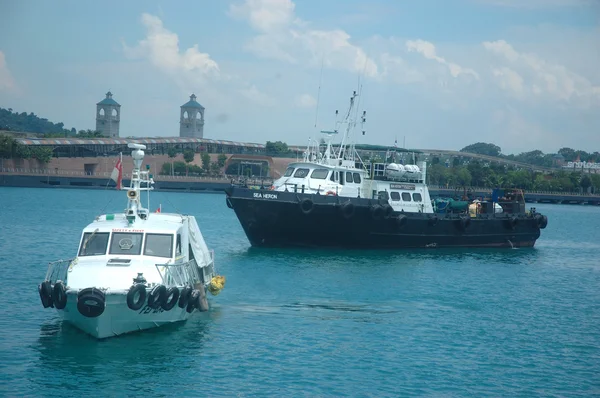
(172, 153)
(205, 162)
(585, 182)
(188, 156)
(483, 148)
(221, 160)
(276, 148)
(42, 154)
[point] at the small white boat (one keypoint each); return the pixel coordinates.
(134, 270)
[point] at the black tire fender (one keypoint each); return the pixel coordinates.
(157, 296)
(59, 295)
(138, 290)
(171, 298)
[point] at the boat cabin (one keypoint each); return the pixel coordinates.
(323, 179)
(109, 236)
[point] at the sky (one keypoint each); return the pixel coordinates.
(521, 74)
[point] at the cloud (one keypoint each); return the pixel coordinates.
(285, 37)
(427, 49)
(161, 48)
(254, 95)
(306, 101)
(533, 4)
(527, 75)
(7, 82)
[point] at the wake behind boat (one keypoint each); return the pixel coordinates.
(134, 270)
(333, 199)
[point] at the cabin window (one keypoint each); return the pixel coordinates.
(288, 171)
(94, 244)
(356, 178)
(417, 197)
(332, 178)
(348, 176)
(126, 243)
(342, 177)
(319, 174)
(395, 196)
(159, 245)
(406, 196)
(178, 246)
(301, 173)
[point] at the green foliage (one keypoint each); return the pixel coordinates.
(221, 160)
(8, 146)
(205, 162)
(42, 154)
(483, 148)
(188, 155)
(276, 148)
(181, 169)
(172, 152)
(497, 176)
(14, 121)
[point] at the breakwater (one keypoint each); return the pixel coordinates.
(215, 185)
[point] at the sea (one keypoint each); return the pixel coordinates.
(313, 323)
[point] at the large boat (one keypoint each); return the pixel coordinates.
(332, 198)
(133, 270)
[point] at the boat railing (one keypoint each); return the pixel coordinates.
(57, 270)
(182, 274)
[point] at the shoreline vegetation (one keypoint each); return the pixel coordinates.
(449, 171)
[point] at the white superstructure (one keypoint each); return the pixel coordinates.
(340, 171)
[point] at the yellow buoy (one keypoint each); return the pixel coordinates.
(217, 283)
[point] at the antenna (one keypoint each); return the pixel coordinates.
(319, 90)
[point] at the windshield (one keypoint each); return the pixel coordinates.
(126, 243)
(94, 244)
(159, 245)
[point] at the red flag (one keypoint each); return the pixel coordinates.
(117, 174)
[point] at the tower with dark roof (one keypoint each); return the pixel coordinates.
(191, 119)
(108, 116)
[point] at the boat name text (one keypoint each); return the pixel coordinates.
(265, 195)
(127, 230)
(402, 186)
(149, 310)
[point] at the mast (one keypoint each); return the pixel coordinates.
(140, 181)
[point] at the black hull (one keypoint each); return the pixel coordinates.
(287, 219)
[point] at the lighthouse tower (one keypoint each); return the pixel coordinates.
(108, 116)
(191, 120)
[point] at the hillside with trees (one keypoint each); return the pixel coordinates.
(31, 123)
(535, 157)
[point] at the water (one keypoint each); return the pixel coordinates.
(523, 322)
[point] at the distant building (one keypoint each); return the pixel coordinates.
(191, 121)
(558, 160)
(108, 116)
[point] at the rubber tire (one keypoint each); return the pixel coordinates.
(184, 297)
(59, 295)
(157, 296)
(45, 291)
(173, 293)
(133, 290)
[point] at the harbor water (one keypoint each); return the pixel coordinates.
(477, 322)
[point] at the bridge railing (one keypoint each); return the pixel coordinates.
(460, 190)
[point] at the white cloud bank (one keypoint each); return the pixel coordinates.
(7, 81)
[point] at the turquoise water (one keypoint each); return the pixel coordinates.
(520, 322)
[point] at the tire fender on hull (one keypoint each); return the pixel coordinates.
(91, 302)
(136, 296)
(306, 206)
(347, 210)
(59, 295)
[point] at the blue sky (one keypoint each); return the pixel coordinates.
(444, 74)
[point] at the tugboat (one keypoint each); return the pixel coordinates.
(333, 199)
(134, 270)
